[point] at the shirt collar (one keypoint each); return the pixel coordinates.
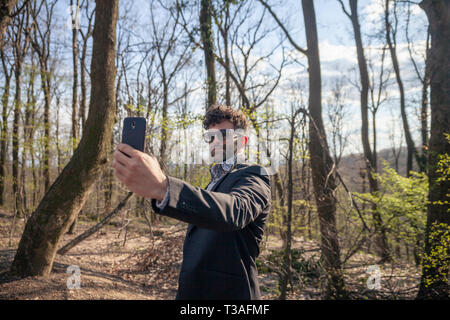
(225, 166)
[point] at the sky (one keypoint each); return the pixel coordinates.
(337, 54)
(338, 58)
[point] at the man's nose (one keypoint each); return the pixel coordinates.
(214, 144)
(216, 141)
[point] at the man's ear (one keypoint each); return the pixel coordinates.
(244, 140)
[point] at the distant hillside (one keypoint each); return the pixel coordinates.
(351, 165)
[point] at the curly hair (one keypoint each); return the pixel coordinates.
(218, 113)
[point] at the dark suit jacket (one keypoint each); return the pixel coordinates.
(226, 226)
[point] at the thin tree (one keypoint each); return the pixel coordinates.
(21, 43)
(69, 192)
(322, 166)
(391, 40)
(81, 116)
(369, 154)
(208, 49)
(394, 141)
(336, 114)
(287, 218)
(7, 74)
(28, 134)
(224, 19)
(41, 42)
(85, 36)
(32, 125)
(165, 39)
(75, 129)
(424, 78)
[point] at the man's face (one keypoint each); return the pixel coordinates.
(225, 146)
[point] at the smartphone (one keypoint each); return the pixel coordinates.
(133, 132)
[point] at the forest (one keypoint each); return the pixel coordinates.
(349, 109)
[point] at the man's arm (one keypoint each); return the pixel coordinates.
(217, 210)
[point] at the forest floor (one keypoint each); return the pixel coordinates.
(133, 263)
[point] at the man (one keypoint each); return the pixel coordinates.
(226, 221)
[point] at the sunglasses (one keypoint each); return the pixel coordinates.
(209, 136)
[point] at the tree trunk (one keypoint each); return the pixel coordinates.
(164, 121)
(41, 45)
(28, 129)
(85, 37)
(62, 202)
(287, 220)
(32, 131)
(208, 48)
(321, 163)
(15, 136)
(424, 108)
(434, 282)
(58, 148)
(224, 29)
(20, 42)
(412, 152)
(23, 168)
(81, 112)
(369, 155)
(6, 8)
(75, 82)
(45, 83)
(227, 71)
(108, 183)
(83, 88)
(83, 100)
(4, 131)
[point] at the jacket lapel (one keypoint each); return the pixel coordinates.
(220, 180)
(235, 167)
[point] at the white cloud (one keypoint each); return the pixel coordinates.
(333, 52)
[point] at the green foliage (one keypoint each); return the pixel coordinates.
(277, 217)
(438, 259)
(402, 203)
(444, 167)
(187, 119)
(275, 221)
(436, 262)
(443, 170)
(138, 108)
(202, 179)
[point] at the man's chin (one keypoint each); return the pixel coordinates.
(218, 158)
